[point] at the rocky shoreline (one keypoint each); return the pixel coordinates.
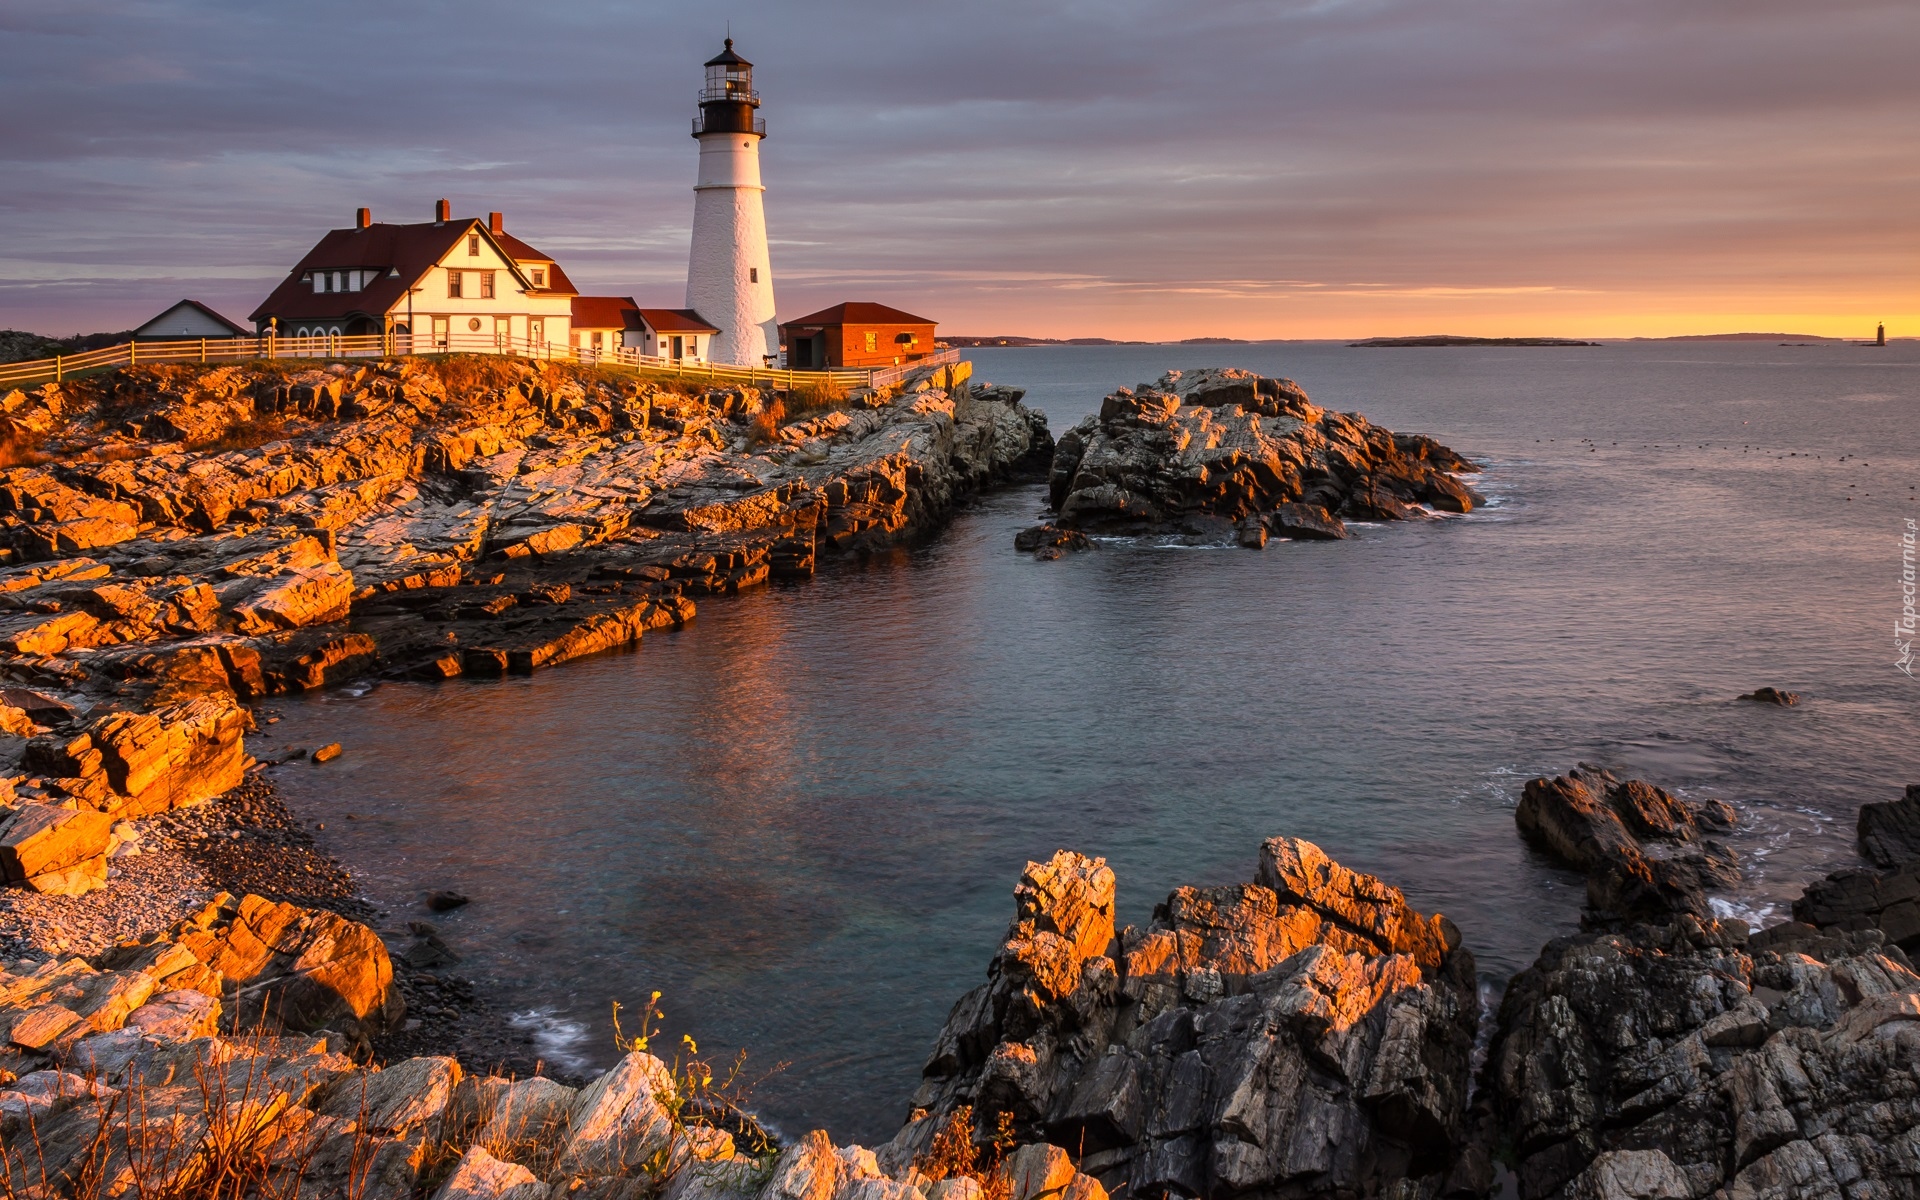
(195, 1000)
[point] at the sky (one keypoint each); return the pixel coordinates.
(1058, 168)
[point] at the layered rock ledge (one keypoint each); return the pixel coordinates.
(1224, 452)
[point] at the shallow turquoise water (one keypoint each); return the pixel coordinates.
(801, 818)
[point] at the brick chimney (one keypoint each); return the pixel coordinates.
(494, 224)
(442, 213)
(363, 218)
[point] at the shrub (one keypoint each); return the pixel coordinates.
(765, 426)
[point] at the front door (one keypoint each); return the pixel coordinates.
(679, 347)
(502, 334)
(439, 333)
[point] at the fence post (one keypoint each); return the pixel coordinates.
(133, 353)
(203, 350)
(58, 370)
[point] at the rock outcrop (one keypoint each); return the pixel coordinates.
(1227, 452)
(1889, 833)
(1690, 1059)
(1646, 854)
(1306, 1034)
(1686, 1057)
(1886, 900)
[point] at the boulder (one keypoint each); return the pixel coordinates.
(481, 1176)
(1306, 1034)
(1305, 522)
(1772, 695)
(61, 851)
(618, 1121)
(297, 968)
(1645, 853)
(1888, 834)
(136, 764)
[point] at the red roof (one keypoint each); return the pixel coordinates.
(605, 312)
(859, 312)
(409, 250)
(676, 320)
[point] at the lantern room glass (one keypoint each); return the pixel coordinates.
(730, 81)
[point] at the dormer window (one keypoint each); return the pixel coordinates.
(473, 245)
(539, 277)
(337, 285)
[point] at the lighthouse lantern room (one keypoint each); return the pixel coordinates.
(729, 278)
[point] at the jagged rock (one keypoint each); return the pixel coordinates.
(1774, 1065)
(1307, 522)
(403, 1097)
(1050, 541)
(481, 1176)
(304, 969)
(1860, 899)
(1301, 1035)
(136, 764)
(1254, 451)
(1644, 852)
(61, 851)
(617, 1121)
(1771, 695)
(1889, 834)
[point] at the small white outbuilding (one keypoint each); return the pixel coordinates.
(189, 319)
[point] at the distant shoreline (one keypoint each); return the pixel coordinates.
(1009, 341)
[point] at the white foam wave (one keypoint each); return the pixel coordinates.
(556, 1039)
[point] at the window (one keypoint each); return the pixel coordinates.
(539, 277)
(486, 285)
(597, 335)
(337, 285)
(473, 245)
(873, 341)
(753, 274)
(453, 285)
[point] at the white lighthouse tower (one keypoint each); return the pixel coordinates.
(729, 280)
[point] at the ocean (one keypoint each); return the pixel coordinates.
(801, 818)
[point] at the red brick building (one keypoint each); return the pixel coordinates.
(856, 334)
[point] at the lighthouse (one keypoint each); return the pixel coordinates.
(729, 280)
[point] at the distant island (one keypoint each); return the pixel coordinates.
(969, 343)
(1742, 337)
(1448, 339)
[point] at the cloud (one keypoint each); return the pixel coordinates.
(1045, 166)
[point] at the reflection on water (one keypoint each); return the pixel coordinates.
(801, 818)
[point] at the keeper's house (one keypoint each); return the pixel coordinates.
(605, 323)
(856, 334)
(468, 284)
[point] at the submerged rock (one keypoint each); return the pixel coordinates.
(1305, 1034)
(1231, 444)
(1772, 695)
(1645, 853)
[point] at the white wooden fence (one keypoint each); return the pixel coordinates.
(394, 345)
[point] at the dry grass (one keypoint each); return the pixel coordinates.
(815, 396)
(954, 1154)
(765, 426)
(469, 373)
(215, 1139)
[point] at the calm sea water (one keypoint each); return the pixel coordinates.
(801, 818)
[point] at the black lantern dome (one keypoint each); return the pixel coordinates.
(728, 101)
